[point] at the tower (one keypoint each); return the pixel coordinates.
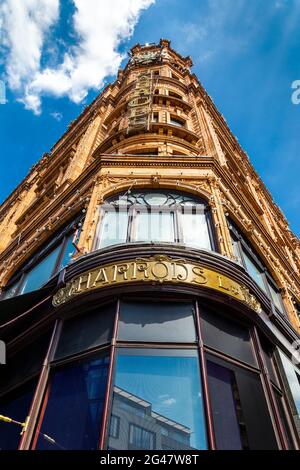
(150, 285)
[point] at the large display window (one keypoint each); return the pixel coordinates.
(159, 374)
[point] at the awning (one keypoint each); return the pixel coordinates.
(21, 305)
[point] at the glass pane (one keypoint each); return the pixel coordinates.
(195, 230)
(226, 336)
(11, 292)
(236, 251)
(164, 321)
(227, 414)
(250, 409)
(24, 364)
(254, 271)
(155, 226)
(41, 272)
(155, 199)
(15, 405)
(86, 331)
(275, 297)
(69, 252)
(158, 400)
(292, 381)
(267, 349)
(73, 415)
(283, 417)
(114, 227)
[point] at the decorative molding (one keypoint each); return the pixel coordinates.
(155, 269)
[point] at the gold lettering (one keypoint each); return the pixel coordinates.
(160, 270)
(143, 267)
(83, 282)
(181, 276)
(220, 278)
(120, 269)
(157, 268)
(100, 278)
(199, 272)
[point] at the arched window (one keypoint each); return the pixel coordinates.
(156, 216)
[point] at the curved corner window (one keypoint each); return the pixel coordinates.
(155, 216)
(158, 401)
(246, 256)
(76, 395)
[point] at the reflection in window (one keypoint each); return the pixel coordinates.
(246, 256)
(154, 216)
(15, 405)
(275, 296)
(291, 377)
(11, 292)
(74, 409)
(227, 336)
(51, 258)
(140, 438)
(84, 332)
(226, 409)
(114, 427)
(161, 391)
(195, 229)
(157, 322)
(159, 227)
(69, 251)
(254, 271)
(240, 412)
(114, 228)
(41, 273)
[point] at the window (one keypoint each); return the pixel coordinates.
(87, 331)
(74, 407)
(18, 380)
(290, 374)
(176, 121)
(140, 438)
(15, 405)
(226, 336)
(40, 274)
(246, 256)
(155, 117)
(161, 388)
(226, 408)
(114, 427)
(175, 95)
(155, 216)
(240, 413)
(254, 271)
(51, 258)
(157, 322)
(194, 227)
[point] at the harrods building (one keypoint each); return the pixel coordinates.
(150, 293)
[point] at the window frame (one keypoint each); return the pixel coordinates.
(199, 347)
(59, 240)
(242, 246)
(131, 222)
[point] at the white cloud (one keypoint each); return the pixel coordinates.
(57, 116)
(99, 27)
(23, 28)
(169, 402)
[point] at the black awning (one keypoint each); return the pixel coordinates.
(15, 307)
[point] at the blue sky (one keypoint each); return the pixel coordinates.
(245, 52)
(151, 376)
